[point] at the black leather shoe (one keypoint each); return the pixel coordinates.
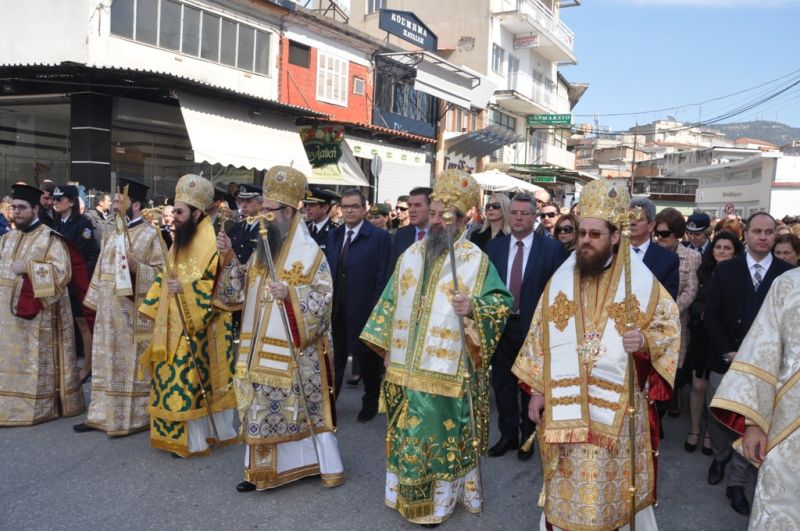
(522, 455)
(738, 500)
(366, 415)
(82, 428)
(502, 446)
(245, 486)
(717, 471)
(354, 381)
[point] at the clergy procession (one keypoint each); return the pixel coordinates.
(478, 326)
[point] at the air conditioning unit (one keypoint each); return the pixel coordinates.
(358, 86)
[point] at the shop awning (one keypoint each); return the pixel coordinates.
(346, 172)
(232, 134)
(444, 80)
(497, 181)
(483, 142)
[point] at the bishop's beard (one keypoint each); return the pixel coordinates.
(277, 230)
(436, 245)
(184, 233)
(591, 263)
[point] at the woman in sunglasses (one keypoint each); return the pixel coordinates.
(669, 231)
(567, 231)
(496, 221)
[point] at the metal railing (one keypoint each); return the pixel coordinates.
(539, 12)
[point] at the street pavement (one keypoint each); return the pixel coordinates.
(53, 478)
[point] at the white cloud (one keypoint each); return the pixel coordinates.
(716, 3)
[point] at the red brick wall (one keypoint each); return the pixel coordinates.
(298, 86)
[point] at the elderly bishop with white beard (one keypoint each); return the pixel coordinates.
(283, 383)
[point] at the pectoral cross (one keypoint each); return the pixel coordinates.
(591, 349)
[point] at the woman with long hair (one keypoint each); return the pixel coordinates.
(724, 246)
(496, 221)
(567, 231)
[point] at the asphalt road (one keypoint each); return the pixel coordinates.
(53, 478)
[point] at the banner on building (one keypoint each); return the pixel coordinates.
(530, 40)
(323, 144)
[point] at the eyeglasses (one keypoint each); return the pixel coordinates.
(354, 206)
(493, 206)
(592, 234)
(661, 234)
(524, 213)
(401, 209)
(566, 229)
(548, 215)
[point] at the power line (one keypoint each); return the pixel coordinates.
(675, 107)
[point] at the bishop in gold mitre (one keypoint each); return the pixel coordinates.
(192, 342)
(575, 361)
(431, 455)
(276, 365)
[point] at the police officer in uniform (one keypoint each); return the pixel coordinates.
(244, 235)
(318, 205)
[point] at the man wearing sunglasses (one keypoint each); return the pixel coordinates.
(575, 362)
(401, 212)
(548, 215)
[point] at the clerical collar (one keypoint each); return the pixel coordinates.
(136, 222)
(36, 223)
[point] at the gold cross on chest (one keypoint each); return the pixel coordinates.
(591, 349)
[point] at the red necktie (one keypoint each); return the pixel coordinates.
(421, 235)
(516, 276)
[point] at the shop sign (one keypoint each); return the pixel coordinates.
(323, 144)
(408, 27)
(544, 179)
(549, 119)
(530, 40)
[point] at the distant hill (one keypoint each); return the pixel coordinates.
(773, 132)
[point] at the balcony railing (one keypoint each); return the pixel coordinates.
(537, 11)
(543, 94)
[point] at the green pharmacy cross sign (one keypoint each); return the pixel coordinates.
(549, 119)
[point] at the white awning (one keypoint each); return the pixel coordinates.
(230, 134)
(346, 172)
(497, 181)
(444, 80)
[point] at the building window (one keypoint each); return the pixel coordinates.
(504, 120)
(169, 29)
(147, 21)
(513, 68)
(190, 45)
(209, 43)
(175, 26)
(299, 54)
(331, 79)
(358, 86)
(227, 43)
(373, 6)
(247, 39)
(498, 57)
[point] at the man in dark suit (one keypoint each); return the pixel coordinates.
(318, 206)
(525, 261)
(698, 226)
(735, 294)
(663, 263)
(244, 235)
(358, 255)
(419, 202)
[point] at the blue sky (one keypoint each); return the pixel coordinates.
(640, 55)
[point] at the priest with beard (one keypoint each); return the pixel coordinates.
(574, 363)
(131, 257)
(289, 435)
(192, 342)
(431, 456)
(38, 372)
